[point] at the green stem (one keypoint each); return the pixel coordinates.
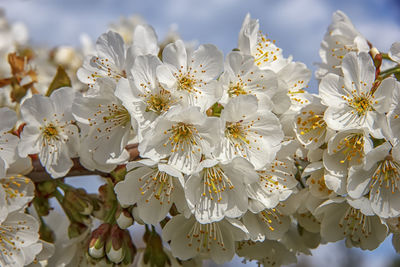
(110, 218)
(59, 196)
(391, 70)
(64, 186)
(386, 56)
(60, 199)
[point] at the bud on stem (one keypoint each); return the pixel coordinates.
(97, 241)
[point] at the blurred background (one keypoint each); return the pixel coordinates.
(298, 27)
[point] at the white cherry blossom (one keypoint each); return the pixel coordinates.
(356, 100)
(154, 187)
(269, 224)
(190, 238)
(106, 122)
(378, 176)
(191, 75)
(50, 131)
(183, 135)
(394, 52)
(393, 133)
(144, 42)
(218, 190)
(276, 183)
(252, 42)
(341, 38)
(144, 97)
(345, 149)
(249, 132)
(241, 77)
(110, 60)
(15, 193)
(18, 231)
(310, 126)
(268, 253)
(352, 220)
(8, 141)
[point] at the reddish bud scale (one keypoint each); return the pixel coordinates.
(116, 237)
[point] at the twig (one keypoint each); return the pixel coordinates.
(39, 174)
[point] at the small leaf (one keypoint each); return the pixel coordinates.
(397, 76)
(61, 79)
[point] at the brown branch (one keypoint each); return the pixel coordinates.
(39, 174)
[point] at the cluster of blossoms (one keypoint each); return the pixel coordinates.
(215, 156)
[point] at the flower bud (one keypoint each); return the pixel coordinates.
(97, 241)
(114, 249)
(42, 205)
(124, 218)
(46, 188)
(76, 229)
(79, 201)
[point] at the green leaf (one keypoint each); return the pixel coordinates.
(397, 76)
(61, 79)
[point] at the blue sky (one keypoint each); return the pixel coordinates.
(298, 27)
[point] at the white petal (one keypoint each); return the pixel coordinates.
(175, 54)
(394, 52)
(358, 71)
(207, 62)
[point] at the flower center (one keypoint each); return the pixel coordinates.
(13, 184)
(158, 103)
(235, 90)
(118, 115)
(386, 176)
(355, 224)
(183, 137)
(352, 146)
(234, 130)
(110, 70)
(186, 83)
(361, 104)
(159, 185)
(50, 131)
(265, 52)
(271, 216)
(203, 235)
(215, 182)
(313, 125)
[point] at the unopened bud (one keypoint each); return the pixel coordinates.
(114, 249)
(76, 229)
(42, 205)
(124, 218)
(97, 241)
(46, 188)
(79, 201)
(374, 51)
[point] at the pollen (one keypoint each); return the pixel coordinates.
(352, 148)
(265, 50)
(158, 185)
(158, 103)
(215, 181)
(386, 176)
(203, 236)
(355, 225)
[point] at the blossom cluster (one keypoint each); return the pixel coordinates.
(235, 156)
